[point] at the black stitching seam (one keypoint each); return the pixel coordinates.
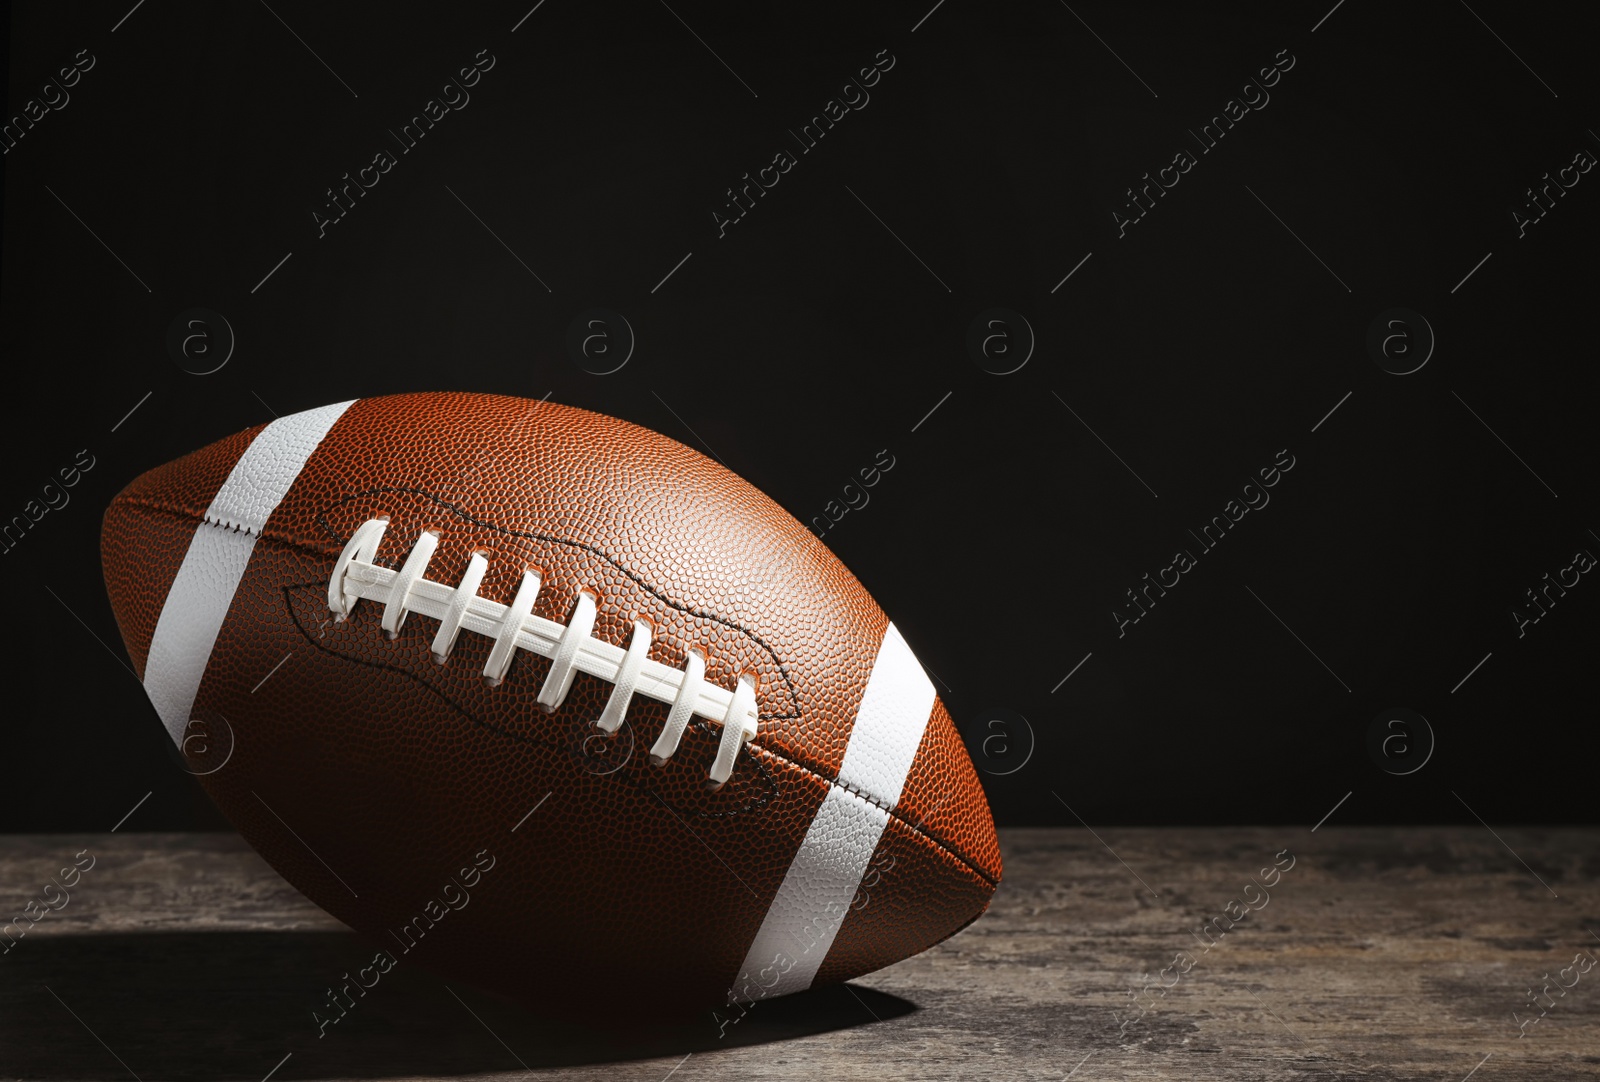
(772, 786)
(698, 723)
(782, 669)
(893, 813)
(322, 521)
(236, 527)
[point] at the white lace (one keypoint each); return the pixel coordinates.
(570, 647)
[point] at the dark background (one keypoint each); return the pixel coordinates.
(810, 339)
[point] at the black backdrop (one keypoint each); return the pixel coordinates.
(1377, 167)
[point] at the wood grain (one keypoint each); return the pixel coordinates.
(1377, 954)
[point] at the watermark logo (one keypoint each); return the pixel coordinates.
(1000, 341)
(1400, 741)
(1542, 196)
(53, 496)
(1252, 495)
(600, 341)
(852, 98)
(1400, 341)
(453, 97)
(37, 909)
(602, 752)
(753, 987)
(1255, 895)
(1540, 599)
(855, 495)
(200, 341)
(52, 96)
(1582, 962)
(455, 895)
(1253, 97)
(207, 745)
(1000, 741)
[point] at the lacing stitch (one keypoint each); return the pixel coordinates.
(570, 647)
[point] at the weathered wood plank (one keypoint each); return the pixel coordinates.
(1376, 954)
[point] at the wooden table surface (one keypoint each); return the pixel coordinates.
(1372, 954)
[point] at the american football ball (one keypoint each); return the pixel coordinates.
(544, 701)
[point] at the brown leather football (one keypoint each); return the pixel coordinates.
(547, 702)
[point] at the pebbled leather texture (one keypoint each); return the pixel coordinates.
(269, 468)
(196, 607)
(369, 775)
(890, 723)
